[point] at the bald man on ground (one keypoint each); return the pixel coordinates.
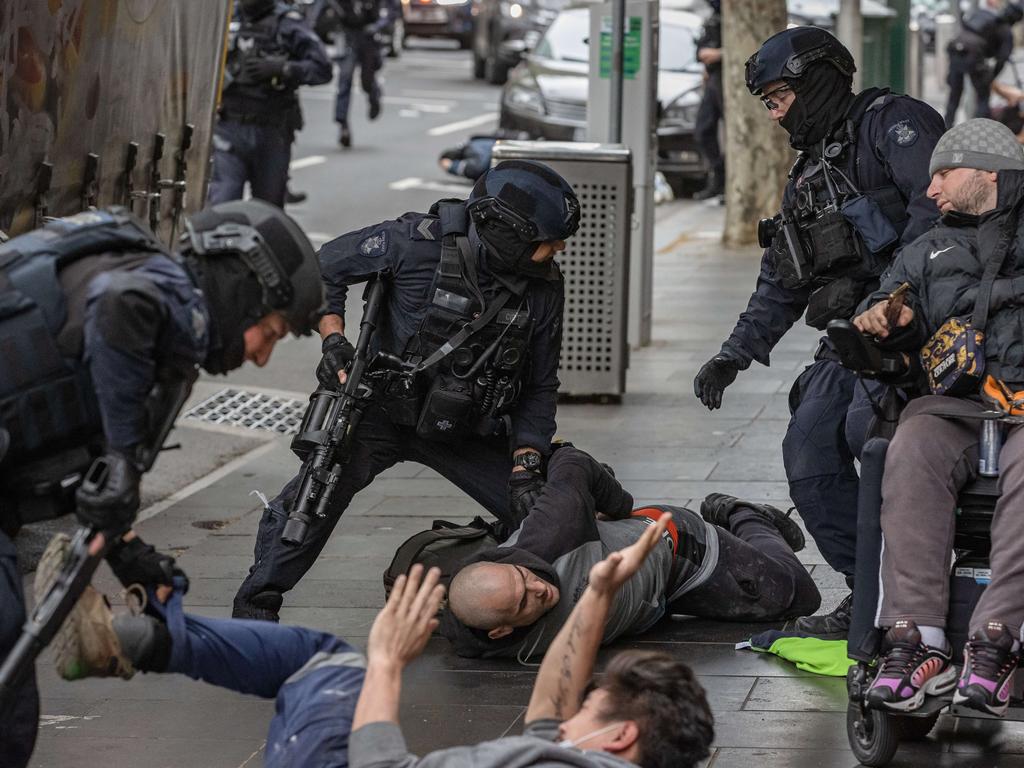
(737, 563)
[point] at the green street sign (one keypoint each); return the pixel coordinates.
(630, 47)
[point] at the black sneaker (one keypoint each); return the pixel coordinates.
(712, 190)
(345, 135)
(374, 112)
(828, 626)
(294, 198)
(989, 663)
(717, 508)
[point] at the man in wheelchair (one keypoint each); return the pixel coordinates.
(963, 309)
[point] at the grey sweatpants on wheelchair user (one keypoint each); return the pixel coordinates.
(929, 460)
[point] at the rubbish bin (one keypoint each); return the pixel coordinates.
(595, 352)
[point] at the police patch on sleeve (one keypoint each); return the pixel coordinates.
(903, 133)
(374, 245)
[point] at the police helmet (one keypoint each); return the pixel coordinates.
(256, 9)
(528, 196)
(272, 246)
(788, 54)
(1012, 13)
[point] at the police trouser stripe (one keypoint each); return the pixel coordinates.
(324, 660)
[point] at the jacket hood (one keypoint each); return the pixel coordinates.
(474, 643)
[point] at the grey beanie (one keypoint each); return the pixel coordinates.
(979, 143)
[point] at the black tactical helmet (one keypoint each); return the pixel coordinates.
(272, 246)
(1012, 13)
(528, 196)
(256, 9)
(788, 54)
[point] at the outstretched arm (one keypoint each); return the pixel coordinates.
(569, 662)
(399, 634)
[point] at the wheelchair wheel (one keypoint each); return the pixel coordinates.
(917, 728)
(874, 736)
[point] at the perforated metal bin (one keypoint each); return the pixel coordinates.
(595, 352)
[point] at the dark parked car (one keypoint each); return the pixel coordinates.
(450, 19)
(546, 95)
(503, 30)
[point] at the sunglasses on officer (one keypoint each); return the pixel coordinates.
(772, 99)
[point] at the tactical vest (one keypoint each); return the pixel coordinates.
(258, 39)
(836, 236)
(473, 354)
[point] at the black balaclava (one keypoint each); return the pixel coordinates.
(509, 256)
(235, 300)
(823, 97)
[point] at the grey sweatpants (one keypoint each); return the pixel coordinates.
(929, 460)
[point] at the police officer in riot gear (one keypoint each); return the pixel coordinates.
(983, 35)
(101, 348)
(856, 193)
(271, 53)
(709, 53)
(476, 410)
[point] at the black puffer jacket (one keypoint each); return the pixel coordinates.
(944, 268)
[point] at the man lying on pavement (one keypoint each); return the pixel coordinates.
(337, 708)
(738, 563)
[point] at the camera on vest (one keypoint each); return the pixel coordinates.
(767, 229)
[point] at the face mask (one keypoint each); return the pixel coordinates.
(575, 743)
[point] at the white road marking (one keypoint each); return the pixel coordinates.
(409, 113)
(420, 105)
(461, 125)
(414, 182)
(419, 100)
(306, 162)
(459, 96)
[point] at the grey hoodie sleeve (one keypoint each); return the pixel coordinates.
(379, 745)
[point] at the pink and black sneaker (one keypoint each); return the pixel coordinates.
(989, 663)
(909, 670)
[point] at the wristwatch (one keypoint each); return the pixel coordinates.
(529, 460)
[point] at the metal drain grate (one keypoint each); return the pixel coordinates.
(252, 410)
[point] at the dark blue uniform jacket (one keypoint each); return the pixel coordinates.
(410, 247)
(894, 145)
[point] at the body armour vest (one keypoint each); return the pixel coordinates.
(833, 235)
(472, 353)
(255, 39)
(46, 395)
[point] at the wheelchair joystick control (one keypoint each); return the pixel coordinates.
(988, 450)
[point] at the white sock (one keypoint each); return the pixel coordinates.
(933, 637)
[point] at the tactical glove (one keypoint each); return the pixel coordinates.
(337, 353)
(135, 562)
(108, 498)
(712, 379)
(523, 489)
(265, 69)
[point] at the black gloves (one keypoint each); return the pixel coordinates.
(135, 562)
(523, 489)
(264, 69)
(108, 498)
(712, 379)
(338, 353)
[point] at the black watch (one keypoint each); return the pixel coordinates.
(529, 460)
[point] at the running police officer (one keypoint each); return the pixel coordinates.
(856, 193)
(103, 331)
(485, 414)
(984, 35)
(272, 52)
(359, 22)
(709, 53)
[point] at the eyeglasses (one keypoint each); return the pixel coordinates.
(769, 99)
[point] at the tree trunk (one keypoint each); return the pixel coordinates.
(757, 150)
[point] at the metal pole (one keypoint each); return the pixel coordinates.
(618, 46)
(850, 31)
(915, 61)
